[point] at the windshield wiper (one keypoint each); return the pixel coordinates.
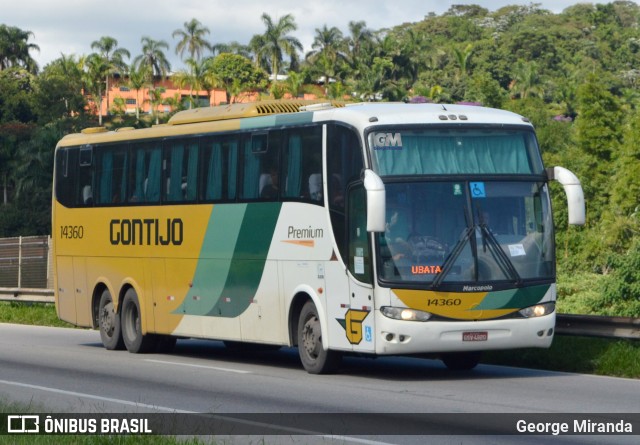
(453, 256)
(498, 254)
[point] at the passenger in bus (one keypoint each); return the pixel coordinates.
(87, 195)
(315, 187)
(270, 190)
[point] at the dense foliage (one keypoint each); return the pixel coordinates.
(576, 75)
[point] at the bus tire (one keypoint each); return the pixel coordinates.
(314, 358)
(109, 323)
(461, 361)
(131, 322)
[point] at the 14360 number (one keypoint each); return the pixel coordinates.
(72, 232)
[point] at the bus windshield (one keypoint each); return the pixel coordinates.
(466, 232)
(437, 151)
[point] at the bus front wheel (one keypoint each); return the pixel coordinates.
(315, 359)
(109, 323)
(461, 361)
(131, 321)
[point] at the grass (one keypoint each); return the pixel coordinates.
(601, 356)
(38, 314)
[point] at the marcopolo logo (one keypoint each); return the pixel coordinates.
(387, 141)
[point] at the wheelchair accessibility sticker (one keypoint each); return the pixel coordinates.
(477, 190)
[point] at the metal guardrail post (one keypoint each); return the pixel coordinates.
(19, 262)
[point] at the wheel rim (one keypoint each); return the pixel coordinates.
(107, 319)
(312, 337)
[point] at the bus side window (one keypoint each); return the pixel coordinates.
(181, 168)
(302, 164)
(85, 177)
(66, 175)
(358, 237)
(344, 164)
(146, 173)
(220, 169)
(261, 169)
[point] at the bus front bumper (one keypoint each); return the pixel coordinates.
(416, 337)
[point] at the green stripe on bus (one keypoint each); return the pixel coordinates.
(232, 259)
(513, 298)
(215, 256)
(249, 259)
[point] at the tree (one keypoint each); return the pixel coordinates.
(96, 70)
(295, 83)
(526, 79)
(113, 57)
(192, 40)
(138, 78)
(156, 100)
(327, 53)
(15, 48)
(235, 74)
(275, 43)
(59, 90)
(197, 77)
(359, 38)
(153, 57)
(462, 57)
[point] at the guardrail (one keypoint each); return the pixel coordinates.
(566, 324)
(26, 295)
(598, 326)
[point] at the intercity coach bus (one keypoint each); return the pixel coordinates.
(372, 229)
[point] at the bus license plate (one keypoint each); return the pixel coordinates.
(475, 336)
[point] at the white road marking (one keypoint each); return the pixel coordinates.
(215, 368)
(95, 397)
(293, 431)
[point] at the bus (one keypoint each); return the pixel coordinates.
(368, 229)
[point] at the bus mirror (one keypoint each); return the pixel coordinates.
(573, 190)
(375, 202)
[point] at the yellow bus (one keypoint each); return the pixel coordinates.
(375, 229)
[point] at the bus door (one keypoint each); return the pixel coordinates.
(359, 319)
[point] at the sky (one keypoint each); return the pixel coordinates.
(70, 26)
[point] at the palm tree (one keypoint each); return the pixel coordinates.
(275, 43)
(153, 57)
(96, 68)
(113, 56)
(15, 48)
(327, 55)
(156, 98)
(526, 79)
(463, 57)
(198, 77)
(231, 48)
(192, 39)
(359, 37)
(138, 78)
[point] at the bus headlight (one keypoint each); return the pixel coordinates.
(538, 310)
(403, 313)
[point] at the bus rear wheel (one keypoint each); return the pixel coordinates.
(314, 358)
(131, 321)
(109, 323)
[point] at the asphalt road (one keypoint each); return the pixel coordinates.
(68, 370)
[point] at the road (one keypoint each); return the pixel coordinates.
(68, 370)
